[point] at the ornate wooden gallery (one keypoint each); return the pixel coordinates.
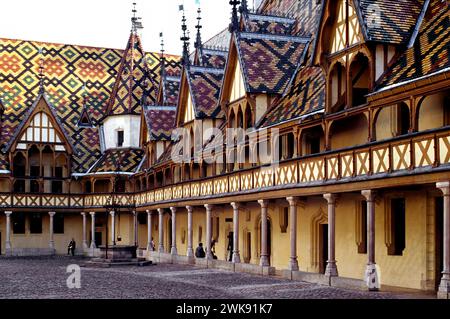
(309, 139)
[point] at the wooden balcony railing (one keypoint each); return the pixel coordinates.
(412, 154)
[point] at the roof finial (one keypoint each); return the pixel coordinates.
(163, 58)
(198, 42)
(185, 38)
(135, 21)
(243, 9)
(41, 72)
(234, 26)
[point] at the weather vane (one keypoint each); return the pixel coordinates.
(136, 21)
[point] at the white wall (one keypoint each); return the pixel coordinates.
(130, 124)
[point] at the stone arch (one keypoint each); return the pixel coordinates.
(319, 218)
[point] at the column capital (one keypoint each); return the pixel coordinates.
(83, 214)
(190, 209)
(264, 203)
(173, 209)
(112, 213)
(8, 213)
(444, 187)
(161, 211)
(330, 198)
(293, 201)
(149, 212)
(209, 207)
(236, 205)
(51, 214)
(92, 214)
(369, 195)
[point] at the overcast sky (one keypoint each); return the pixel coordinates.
(106, 23)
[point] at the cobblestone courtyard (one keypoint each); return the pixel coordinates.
(34, 278)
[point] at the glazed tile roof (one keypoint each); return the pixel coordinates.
(269, 24)
(132, 82)
(128, 161)
(213, 58)
(160, 121)
(171, 89)
(269, 61)
(205, 85)
(430, 52)
(397, 22)
(220, 41)
(306, 95)
(67, 68)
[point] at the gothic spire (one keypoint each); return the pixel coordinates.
(185, 38)
(198, 42)
(163, 58)
(234, 25)
(41, 72)
(244, 7)
(136, 23)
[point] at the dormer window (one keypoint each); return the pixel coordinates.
(120, 138)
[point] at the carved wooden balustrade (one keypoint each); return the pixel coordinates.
(413, 154)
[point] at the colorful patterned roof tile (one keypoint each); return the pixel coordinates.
(389, 21)
(269, 61)
(171, 89)
(269, 24)
(160, 122)
(205, 85)
(67, 68)
(214, 58)
(220, 41)
(429, 54)
(126, 160)
(306, 95)
(132, 82)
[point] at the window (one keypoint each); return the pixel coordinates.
(200, 231)
(36, 223)
(34, 186)
(120, 138)
(58, 172)
(216, 228)
(58, 224)
(284, 219)
(19, 186)
(397, 227)
(34, 171)
(57, 187)
(361, 236)
(142, 218)
(18, 223)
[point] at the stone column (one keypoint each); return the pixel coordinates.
(149, 231)
(8, 233)
(51, 242)
(331, 269)
(161, 227)
(264, 253)
(85, 245)
(93, 246)
(236, 255)
(293, 262)
(208, 231)
(113, 227)
(372, 276)
(173, 250)
(444, 287)
(190, 247)
(135, 223)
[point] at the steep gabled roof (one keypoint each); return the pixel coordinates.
(67, 68)
(305, 96)
(160, 121)
(205, 85)
(269, 61)
(31, 111)
(388, 21)
(430, 53)
(119, 161)
(170, 87)
(132, 82)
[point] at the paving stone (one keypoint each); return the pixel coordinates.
(45, 278)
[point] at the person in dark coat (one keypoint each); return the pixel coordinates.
(71, 247)
(200, 252)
